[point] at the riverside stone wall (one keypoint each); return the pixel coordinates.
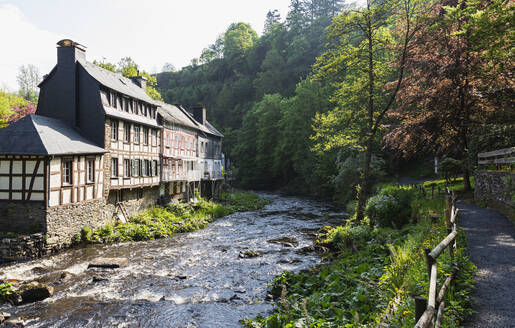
(495, 187)
(23, 247)
(65, 221)
(134, 200)
(22, 217)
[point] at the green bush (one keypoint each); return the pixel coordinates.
(179, 208)
(347, 236)
(391, 207)
(6, 289)
(243, 201)
(86, 233)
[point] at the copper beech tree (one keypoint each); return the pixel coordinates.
(449, 88)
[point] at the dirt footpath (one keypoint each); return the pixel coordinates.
(491, 240)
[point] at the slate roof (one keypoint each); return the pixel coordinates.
(130, 117)
(174, 114)
(40, 135)
(213, 130)
(116, 81)
(179, 115)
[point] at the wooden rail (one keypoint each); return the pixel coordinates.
(501, 156)
(434, 304)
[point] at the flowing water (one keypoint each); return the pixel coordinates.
(195, 279)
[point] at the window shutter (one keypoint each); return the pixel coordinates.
(151, 168)
(133, 168)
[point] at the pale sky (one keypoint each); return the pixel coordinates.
(152, 32)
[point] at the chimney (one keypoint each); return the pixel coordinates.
(140, 81)
(199, 114)
(68, 52)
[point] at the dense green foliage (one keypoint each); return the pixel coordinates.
(163, 222)
(391, 207)
(257, 91)
(372, 277)
(378, 69)
(242, 201)
(9, 102)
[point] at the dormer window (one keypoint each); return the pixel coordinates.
(113, 100)
(108, 97)
(126, 104)
(120, 101)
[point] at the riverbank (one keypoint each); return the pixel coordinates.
(165, 221)
(373, 274)
(197, 279)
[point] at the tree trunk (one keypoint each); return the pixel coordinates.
(365, 183)
(365, 179)
(466, 179)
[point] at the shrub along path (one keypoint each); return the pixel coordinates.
(491, 240)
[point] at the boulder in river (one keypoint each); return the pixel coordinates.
(31, 292)
(249, 254)
(108, 263)
(98, 279)
(286, 241)
(4, 316)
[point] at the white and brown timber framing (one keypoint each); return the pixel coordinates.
(24, 178)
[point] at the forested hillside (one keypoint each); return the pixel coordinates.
(258, 91)
(333, 93)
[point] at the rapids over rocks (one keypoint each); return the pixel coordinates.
(197, 279)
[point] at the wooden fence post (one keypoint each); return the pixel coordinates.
(429, 261)
(420, 307)
(448, 208)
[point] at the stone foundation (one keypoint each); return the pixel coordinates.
(57, 226)
(497, 188)
(22, 217)
(23, 247)
(65, 221)
(134, 200)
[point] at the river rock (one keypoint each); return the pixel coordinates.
(65, 276)
(99, 279)
(286, 241)
(108, 263)
(4, 316)
(249, 254)
(13, 323)
(31, 292)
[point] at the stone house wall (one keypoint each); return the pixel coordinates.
(22, 217)
(65, 221)
(23, 247)
(495, 187)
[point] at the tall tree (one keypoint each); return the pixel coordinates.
(272, 17)
(28, 79)
(454, 84)
(365, 55)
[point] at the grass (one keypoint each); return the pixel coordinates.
(372, 277)
(163, 222)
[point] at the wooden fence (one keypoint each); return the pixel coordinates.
(497, 157)
(425, 310)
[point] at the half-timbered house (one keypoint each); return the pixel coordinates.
(46, 164)
(180, 174)
(114, 112)
(97, 148)
(209, 150)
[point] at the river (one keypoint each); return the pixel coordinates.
(195, 279)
